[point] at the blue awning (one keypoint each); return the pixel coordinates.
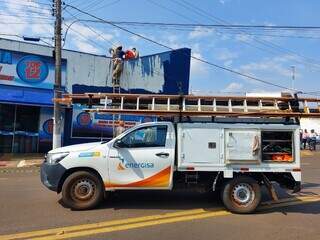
(23, 95)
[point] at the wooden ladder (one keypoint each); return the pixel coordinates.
(191, 105)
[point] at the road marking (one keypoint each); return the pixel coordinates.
(305, 164)
(140, 222)
(101, 224)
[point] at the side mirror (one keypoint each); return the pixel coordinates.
(118, 144)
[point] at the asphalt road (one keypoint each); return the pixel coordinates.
(26, 206)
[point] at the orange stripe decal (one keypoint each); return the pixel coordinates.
(161, 179)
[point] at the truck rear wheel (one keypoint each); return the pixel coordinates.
(82, 190)
(241, 195)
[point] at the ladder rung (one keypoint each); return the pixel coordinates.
(121, 105)
(245, 105)
(214, 105)
(229, 105)
(199, 104)
(153, 103)
(106, 102)
(138, 103)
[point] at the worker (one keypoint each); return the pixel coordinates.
(129, 55)
(117, 59)
(120, 128)
(136, 53)
(132, 53)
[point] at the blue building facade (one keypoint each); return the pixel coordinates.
(26, 92)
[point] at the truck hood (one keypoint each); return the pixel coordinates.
(76, 147)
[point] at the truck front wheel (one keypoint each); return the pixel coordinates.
(241, 195)
(82, 190)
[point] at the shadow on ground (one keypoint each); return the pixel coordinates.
(187, 200)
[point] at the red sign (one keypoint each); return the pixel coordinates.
(33, 69)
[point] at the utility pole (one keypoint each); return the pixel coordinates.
(293, 68)
(57, 115)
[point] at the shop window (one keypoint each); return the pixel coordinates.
(7, 117)
(27, 119)
(6, 127)
(6, 143)
(26, 129)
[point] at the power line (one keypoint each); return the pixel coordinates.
(26, 5)
(193, 27)
(196, 58)
(270, 49)
(201, 12)
(22, 37)
(97, 8)
(25, 16)
(27, 23)
(78, 20)
(84, 37)
(91, 29)
(41, 3)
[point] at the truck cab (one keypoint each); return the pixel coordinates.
(234, 159)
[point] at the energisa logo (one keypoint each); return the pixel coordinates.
(123, 165)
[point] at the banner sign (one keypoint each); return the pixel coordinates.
(45, 129)
(101, 126)
(26, 70)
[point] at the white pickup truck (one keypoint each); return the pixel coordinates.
(235, 159)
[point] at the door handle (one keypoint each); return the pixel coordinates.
(162, 154)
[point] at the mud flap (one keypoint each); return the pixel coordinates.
(297, 187)
(271, 190)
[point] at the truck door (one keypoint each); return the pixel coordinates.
(143, 158)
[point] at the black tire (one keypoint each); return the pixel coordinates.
(241, 195)
(82, 190)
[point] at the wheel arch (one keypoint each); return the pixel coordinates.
(221, 181)
(77, 169)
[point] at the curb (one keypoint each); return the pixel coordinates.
(19, 170)
(20, 163)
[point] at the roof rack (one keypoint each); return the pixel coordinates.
(192, 105)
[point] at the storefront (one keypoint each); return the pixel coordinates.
(26, 92)
(26, 83)
(19, 129)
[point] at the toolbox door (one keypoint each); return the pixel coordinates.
(242, 146)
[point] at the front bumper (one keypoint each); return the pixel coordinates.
(51, 175)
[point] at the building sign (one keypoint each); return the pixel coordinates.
(100, 126)
(45, 129)
(26, 70)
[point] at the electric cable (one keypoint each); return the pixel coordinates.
(196, 58)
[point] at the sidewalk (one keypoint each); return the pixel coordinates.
(20, 160)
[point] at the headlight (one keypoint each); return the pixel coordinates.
(53, 158)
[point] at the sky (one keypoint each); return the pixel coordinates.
(267, 55)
